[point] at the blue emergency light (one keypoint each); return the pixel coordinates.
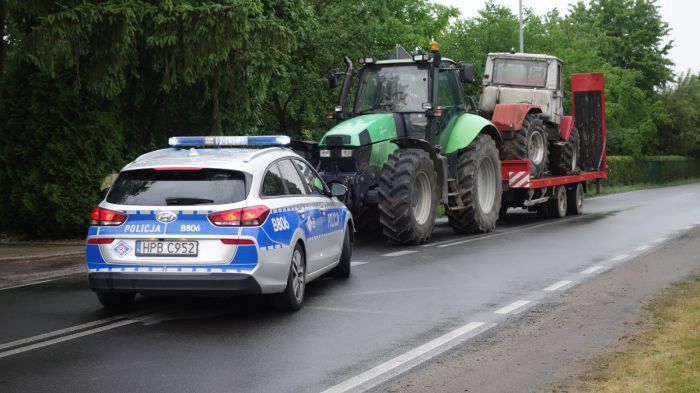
(217, 141)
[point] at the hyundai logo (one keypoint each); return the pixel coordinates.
(166, 217)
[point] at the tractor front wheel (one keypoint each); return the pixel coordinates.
(529, 143)
(480, 188)
(408, 197)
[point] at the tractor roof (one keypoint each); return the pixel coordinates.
(524, 56)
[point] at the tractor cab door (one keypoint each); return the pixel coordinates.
(450, 97)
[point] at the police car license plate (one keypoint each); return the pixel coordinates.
(166, 248)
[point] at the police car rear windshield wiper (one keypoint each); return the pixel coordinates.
(187, 201)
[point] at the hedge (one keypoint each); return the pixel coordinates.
(625, 170)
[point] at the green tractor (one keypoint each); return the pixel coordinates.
(413, 139)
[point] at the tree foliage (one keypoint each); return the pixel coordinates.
(87, 85)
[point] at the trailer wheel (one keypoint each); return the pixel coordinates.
(530, 144)
(556, 206)
(408, 194)
(574, 199)
(565, 157)
(480, 188)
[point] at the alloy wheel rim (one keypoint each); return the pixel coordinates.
(297, 275)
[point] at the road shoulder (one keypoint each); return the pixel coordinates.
(552, 345)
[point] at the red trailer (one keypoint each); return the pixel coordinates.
(558, 195)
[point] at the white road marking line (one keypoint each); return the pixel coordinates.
(399, 253)
(659, 240)
(400, 360)
(37, 282)
(512, 307)
(499, 234)
(558, 285)
(79, 334)
(642, 248)
(619, 258)
(357, 263)
(688, 227)
(61, 332)
(592, 269)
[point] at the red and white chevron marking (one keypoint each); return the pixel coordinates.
(518, 179)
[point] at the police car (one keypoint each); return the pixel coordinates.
(206, 216)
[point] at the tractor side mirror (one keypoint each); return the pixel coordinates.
(333, 78)
(339, 191)
(466, 73)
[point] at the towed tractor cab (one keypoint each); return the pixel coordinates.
(405, 108)
(522, 94)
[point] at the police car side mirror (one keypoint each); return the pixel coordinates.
(339, 191)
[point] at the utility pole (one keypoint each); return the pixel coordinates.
(520, 17)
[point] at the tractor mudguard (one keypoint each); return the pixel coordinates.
(464, 130)
(566, 124)
(509, 117)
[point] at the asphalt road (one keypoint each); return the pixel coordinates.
(401, 307)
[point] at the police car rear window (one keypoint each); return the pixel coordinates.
(175, 187)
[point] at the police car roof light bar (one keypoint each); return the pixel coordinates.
(217, 141)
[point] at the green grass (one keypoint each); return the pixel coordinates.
(663, 358)
(605, 189)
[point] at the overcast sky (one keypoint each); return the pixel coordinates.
(682, 17)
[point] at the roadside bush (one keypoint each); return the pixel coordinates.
(57, 146)
(625, 170)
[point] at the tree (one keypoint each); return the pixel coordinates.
(634, 37)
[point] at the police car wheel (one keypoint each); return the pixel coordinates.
(293, 295)
(343, 268)
(116, 301)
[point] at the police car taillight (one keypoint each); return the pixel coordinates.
(104, 217)
(248, 216)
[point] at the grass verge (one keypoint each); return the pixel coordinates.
(665, 357)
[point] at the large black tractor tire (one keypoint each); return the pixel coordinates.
(367, 219)
(565, 157)
(480, 187)
(529, 143)
(408, 195)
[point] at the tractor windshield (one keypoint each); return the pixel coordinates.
(392, 88)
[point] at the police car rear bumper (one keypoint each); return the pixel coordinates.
(213, 283)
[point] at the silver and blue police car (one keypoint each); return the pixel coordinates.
(207, 217)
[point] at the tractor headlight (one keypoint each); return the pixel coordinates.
(325, 153)
(346, 153)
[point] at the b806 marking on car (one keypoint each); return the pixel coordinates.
(190, 228)
(280, 223)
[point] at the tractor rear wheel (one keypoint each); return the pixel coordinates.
(565, 157)
(529, 143)
(408, 194)
(479, 185)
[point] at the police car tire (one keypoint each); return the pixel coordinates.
(116, 301)
(286, 300)
(475, 218)
(396, 183)
(343, 268)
